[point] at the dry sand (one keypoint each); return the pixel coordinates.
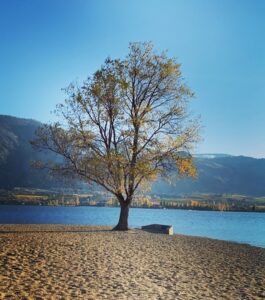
(81, 262)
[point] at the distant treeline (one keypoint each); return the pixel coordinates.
(24, 196)
(197, 205)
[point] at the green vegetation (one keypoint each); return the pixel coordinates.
(221, 202)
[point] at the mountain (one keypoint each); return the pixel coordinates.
(220, 174)
(16, 154)
(217, 173)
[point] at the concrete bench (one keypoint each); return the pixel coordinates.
(157, 228)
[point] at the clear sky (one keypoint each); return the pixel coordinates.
(46, 44)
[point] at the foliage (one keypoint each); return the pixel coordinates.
(126, 125)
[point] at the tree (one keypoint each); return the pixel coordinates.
(124, 126)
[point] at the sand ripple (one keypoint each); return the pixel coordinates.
(81, 262)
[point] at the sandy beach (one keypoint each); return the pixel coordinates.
(84, 262)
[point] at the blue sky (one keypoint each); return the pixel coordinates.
(46, 44)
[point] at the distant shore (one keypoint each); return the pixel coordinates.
(145, 207)
(91, 262)
(198, 201)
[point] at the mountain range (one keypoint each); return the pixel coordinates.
(217, 173)
(220, 174)
(16, 154)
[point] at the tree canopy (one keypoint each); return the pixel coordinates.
(125, 125)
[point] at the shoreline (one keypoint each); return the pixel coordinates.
(86, 228)
(92, 262)
(167, 208)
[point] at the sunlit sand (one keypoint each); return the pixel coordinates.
(84, 262)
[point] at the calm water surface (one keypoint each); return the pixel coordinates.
(231, 226)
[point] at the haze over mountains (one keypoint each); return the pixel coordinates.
(16, 154)
(222, 174)
(217, 173)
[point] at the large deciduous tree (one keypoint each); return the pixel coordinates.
(125, 125)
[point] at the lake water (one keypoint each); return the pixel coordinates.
(231, 226)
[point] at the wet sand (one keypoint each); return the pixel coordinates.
(84, 262)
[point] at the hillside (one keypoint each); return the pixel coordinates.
(16, 154)
(221, 174)
(217, 173)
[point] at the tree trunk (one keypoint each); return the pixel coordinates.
(123, 220)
